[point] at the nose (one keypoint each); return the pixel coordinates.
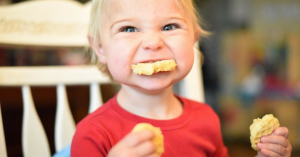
(152, 41)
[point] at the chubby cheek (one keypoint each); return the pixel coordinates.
(119, 68)
(185, 60)
(119, 60)
(182, 48)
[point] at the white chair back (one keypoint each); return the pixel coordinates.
(47, 24)
(34, 140)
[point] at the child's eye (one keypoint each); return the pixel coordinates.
(129, 29)
(170, 27)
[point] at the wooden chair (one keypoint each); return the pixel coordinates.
(57, 24)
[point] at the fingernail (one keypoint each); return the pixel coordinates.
(263, 138)
(259, 145)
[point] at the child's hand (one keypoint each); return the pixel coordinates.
(276, 144)
(138, 144)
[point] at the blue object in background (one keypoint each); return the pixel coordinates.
(64, 153)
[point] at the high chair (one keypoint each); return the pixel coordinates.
(57, 24)
(47, 24)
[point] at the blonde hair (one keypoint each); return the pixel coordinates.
(99, 15)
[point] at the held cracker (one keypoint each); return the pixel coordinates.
(159, 138)
(262, 127)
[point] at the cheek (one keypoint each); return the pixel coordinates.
(119, 67)
(189, 59)
(115, 63)
(185, 59)
(184, 52)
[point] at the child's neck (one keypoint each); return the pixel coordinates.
(162, 105)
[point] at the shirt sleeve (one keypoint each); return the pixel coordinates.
(221, 151)
(216, 135)
(89, 140)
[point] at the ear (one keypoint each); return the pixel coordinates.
(197, 33)
(98, 49)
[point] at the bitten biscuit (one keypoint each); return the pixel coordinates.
(151, 68)
(159, 138)
(262, 127)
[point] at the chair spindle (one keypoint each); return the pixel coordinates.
(2, 138)
(33, 134)
(64, 122)
(95, 97)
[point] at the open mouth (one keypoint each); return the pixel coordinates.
(149, 68)
(150, 62)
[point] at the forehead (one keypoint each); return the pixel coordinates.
(143, 8)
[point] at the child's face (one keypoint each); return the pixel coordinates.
(140, 31)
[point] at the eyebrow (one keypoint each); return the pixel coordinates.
(119, 22)
(169, 18)
(178, 18)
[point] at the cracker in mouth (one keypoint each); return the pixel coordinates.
(154, 67)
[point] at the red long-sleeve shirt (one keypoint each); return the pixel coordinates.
(195, 133)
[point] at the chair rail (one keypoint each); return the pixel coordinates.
(51, 75)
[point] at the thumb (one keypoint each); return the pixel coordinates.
(281, 131)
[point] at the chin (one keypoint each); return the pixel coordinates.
(153, 86)
(151, 90)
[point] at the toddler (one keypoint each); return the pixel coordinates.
(123, 33)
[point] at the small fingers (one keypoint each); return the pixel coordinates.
(275, 139)
(269, 153)
(272, 150)
(135, 144)
(281, 131)
(276, 144)
(133, 139)
(152, 155)
(146, 149)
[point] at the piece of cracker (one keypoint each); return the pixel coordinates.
(151, 68)
(158, 139)
(262, 127)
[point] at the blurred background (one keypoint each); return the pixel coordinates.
(251, 68)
